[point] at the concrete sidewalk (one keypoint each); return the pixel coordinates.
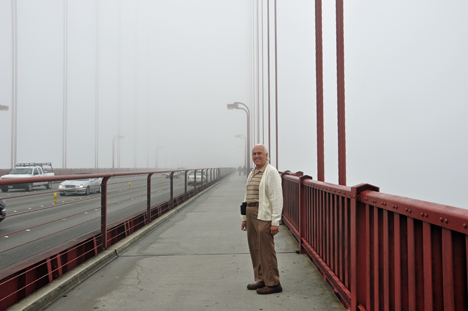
(199, 260)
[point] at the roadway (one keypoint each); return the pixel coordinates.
(35, 223)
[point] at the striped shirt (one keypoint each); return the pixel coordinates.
(253, 184)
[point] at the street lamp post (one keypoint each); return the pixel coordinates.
(246, 151)
(247, 111)
(113, 147)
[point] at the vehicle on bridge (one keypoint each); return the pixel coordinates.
(80, 186)
(2, 210)
(176, 175)
(28, 170)
(200, 177)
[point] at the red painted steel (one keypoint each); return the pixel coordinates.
(104, 211)
(148, 197)
(172, 188)
(26, 278)
(319, 91)
(340, 92)
(380, 251)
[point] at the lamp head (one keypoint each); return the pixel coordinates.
(4, 108)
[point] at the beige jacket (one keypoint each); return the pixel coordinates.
(270, 196)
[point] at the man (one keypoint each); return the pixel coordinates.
(264, 197)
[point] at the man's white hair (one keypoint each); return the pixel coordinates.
(265, 149)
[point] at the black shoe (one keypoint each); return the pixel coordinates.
(270, 289)
(257, 285)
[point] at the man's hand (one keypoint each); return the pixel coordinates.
(274, 230)
(244, 224)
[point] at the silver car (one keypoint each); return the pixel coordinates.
(80, 186)
(200, 177)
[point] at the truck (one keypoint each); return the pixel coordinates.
(28, 170)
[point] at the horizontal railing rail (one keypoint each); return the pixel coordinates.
(379, 251)
(138, 198)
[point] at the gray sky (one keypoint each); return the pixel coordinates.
(183, 61)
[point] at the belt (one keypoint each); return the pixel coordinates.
(253, 204)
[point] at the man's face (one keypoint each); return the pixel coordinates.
(259, 156)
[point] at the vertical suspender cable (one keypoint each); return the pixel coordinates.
(319, 90)
(14, 84)
(263, 87)
(276, 82)
(65, 64)
(341, 93)
(269, 84)
(119, 82)
(259, 84)
(253, 62)
(96, 93)
(135, 93)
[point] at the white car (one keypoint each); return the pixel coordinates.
(200, 177)
(28, 170)
(80, 186)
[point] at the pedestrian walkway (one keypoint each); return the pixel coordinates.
(199, 260)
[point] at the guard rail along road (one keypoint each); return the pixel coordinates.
(44, 235)
(379, 251)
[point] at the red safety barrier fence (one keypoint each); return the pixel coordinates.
(380, 251)
(127, 201)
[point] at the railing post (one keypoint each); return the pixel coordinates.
(195, 179)
(148, 197)
(186, 172)
(302, 208)
(104, 213)
(358, 244)
(172, 190)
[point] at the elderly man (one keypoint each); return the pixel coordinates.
(264, 197)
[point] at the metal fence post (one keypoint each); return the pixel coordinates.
(148, 197)
(104, 213)
(203, 179)
(358, 245)
(302, 208)
(172, 190)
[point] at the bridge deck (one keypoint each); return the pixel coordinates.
(199, 260)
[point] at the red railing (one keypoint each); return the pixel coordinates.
(22, 279)
(380, 251)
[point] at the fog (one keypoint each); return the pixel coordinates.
(176, 64)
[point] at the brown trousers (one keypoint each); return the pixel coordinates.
(262, 248)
